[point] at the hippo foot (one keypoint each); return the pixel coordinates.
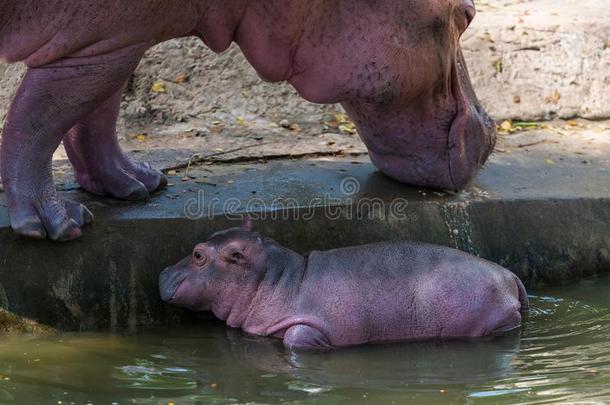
(124, 179)
(45, 214)
(100, 165)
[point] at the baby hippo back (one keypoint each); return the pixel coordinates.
(399, 291)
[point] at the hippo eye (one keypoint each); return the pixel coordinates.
(199, 257)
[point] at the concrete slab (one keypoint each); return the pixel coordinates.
(541, 207)
(541, 59)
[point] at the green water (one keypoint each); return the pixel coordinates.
(562, 356)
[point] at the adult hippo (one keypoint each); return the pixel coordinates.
(383, 292)
(395, 65)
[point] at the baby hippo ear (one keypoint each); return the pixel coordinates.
(247, 225)
(235, 253)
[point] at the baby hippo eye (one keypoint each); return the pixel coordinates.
(199, 257)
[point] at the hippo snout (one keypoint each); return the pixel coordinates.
(169, 281)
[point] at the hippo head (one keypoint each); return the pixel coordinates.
(218, 272)
(397, 68)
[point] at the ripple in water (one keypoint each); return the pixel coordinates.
(561, 356)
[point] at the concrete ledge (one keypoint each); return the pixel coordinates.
(547, 223)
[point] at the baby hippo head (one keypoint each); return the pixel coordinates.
(218, 271)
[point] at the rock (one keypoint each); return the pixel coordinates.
(541, 59)
(11, 324)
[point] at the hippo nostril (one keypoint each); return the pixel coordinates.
(169, 282)
(471, 12)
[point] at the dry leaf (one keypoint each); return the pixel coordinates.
(158, 87)
(499, 66)
(181, 78)
(348, 128)
(506, 126)
(553, 98)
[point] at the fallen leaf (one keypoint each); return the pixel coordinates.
(181, 78)
(341, 118)
(487, 37)
(550, 162)
(499, 66)
(158, 87)
(348, 128)
(553, 98)
(506, 126)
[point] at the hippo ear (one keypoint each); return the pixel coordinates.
(235, 253)
(247, 225)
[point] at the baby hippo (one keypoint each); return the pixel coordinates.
(383, 292)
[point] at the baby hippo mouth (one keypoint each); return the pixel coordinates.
(170, 282)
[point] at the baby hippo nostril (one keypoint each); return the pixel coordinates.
(169, 281)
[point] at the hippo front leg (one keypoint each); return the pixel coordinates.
(51, 99)
(303, 337)
(101, 167)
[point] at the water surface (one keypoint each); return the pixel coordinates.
(562, 355)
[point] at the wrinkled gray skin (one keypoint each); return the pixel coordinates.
(374, 293)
